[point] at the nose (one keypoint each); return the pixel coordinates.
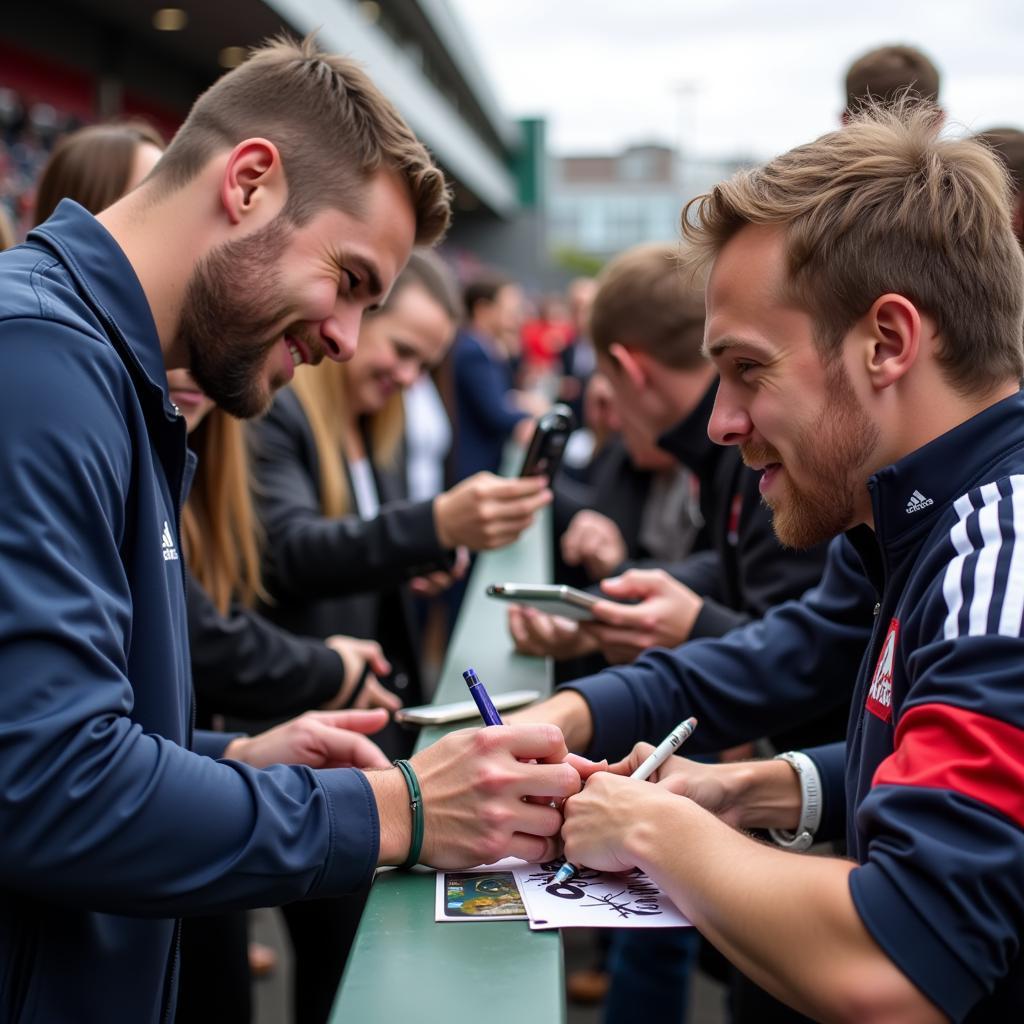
(407, 372)
(730, 421)
(340, 334)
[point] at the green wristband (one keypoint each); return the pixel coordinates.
(416, 803)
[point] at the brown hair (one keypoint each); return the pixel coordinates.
(886, 205)
(483, 289)
(889, 72)
(645, 302)
(219, 532)
(333, 128)
(92, 166)
(321, 391)
(1008, 144)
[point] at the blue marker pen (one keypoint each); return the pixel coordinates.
(488, 712)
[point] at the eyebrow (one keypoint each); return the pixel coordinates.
(722, 345)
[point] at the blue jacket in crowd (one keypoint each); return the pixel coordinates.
(485, 415)
(930, 785)
(110, 826)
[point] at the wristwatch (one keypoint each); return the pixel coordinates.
(810, 799)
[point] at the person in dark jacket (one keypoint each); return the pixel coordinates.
(489, 411)
(647, 324)
(867, 330)
(343, 541)
(240, 662)
(116, 815)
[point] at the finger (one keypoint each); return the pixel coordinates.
(635, 616)
(367, 721)
(535, 849)
(514, 487)
(379, 697)
(379, 662)
(520, 508)
(585, 767)
(356, 750)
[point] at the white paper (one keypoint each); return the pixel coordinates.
(595, 899)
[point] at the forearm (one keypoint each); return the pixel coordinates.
(785, 920)
(394, 814)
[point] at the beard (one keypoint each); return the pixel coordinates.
(231, 319)
(831, 451)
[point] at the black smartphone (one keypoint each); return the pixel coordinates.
(544, 455)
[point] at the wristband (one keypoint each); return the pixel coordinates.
(810, 803)
(360, 685)
(416, 803)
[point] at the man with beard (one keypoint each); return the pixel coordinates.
(865, 307)
(285, 206)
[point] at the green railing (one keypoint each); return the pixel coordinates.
(405, 967)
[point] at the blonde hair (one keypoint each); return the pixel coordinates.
(886, 205)
(332, 126)
(321, 392)
(219, 532)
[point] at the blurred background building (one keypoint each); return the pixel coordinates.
(539, 219)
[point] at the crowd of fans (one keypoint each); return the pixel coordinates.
(326, 542)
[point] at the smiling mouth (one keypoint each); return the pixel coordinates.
(299, 350)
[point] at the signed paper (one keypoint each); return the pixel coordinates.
(595, 899)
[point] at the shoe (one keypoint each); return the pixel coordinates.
(588, 986)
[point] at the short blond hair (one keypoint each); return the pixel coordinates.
(332, 126)
(886, 205)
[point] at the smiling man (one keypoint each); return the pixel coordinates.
(865, 309)
(284, 208)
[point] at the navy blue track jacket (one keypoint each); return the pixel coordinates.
(930, 785)
(109, 827)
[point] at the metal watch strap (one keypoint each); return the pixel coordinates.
(810, 803)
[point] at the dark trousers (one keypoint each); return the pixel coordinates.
(214, 984)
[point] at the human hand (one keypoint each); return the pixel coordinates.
(482, 798)
(440, 580)
(533, 403)
(356, 654)
(597, 832)
(537, 633)
(747, 794)
(595, 542)
(486, 511)
(320, 739)
(664, 616)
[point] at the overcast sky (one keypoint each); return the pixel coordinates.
(730, 77)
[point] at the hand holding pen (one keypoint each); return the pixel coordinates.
(661, 753)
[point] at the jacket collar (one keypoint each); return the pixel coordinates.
(108, 282)
(908, 496)
(688, 440)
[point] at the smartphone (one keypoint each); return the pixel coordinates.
(553, 598)
(440, 714)
(544, 455)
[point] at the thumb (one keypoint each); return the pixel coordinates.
(585, 766)
(632, 583)
(369, 721)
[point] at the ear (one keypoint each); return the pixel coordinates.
(253, 181)
(893, 342)
(632, 364)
